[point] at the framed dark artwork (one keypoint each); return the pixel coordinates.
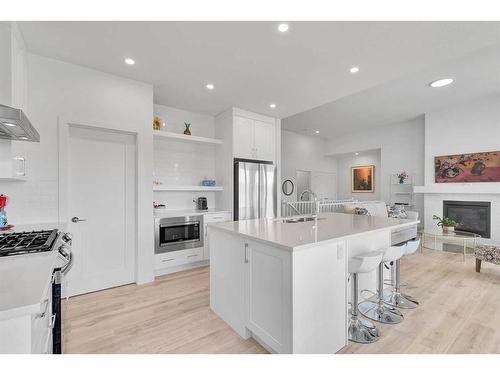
(476, 167)
(363, 179)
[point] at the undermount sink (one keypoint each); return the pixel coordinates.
(301, 219)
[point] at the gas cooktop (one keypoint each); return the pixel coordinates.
(27, 242)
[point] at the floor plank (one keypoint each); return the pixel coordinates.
(459, 313)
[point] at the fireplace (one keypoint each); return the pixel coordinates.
(473, 216)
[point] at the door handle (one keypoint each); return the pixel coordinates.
(76, 219)
(246, 253)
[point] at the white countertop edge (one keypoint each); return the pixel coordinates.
(313, 244)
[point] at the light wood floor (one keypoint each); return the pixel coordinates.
(459, 313)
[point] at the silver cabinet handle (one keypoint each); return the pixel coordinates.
(167, 260)
(52, 321)
(193, 255)
(246, 253)
(76, 219)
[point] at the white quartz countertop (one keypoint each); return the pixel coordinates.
(24, 280)
(296, 236)
(160, 213)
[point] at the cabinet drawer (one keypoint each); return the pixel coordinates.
(402, 235)
(177, 258)
(215, 218)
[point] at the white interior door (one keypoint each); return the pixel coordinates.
(101, 192)
(303, 179)
(323, 184)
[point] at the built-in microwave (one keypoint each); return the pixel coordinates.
(178, 233)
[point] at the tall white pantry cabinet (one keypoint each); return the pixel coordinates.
(245, 135)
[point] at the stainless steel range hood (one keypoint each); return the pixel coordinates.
(15, 125)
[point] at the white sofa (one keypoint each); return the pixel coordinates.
(379, 208)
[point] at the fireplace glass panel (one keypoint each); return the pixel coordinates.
(473, 217)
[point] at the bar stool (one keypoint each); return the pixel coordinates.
(394, 297)
(361, 330)
(375, 308)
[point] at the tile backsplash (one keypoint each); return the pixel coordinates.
(177, 163)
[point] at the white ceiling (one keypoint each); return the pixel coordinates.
(252, 64)
(476, 74)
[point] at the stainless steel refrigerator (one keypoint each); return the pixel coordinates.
(254, 190)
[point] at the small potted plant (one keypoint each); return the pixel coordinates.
(402, 177)
(188, 130)
(446, 223)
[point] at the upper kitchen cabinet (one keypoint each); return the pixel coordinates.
(244, 138)
(264, 140)
(244, 135)
(254, 138)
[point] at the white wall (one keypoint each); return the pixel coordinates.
(182, 163)
(471, 127)
(302, 152)
(5, 64)
(401, 148)
(344, 164)
(202, 125)
(57, 89)
(467, 128)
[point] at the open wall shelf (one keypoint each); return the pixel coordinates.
(159, 134)
(186, 188)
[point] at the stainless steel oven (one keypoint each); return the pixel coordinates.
(178, 233)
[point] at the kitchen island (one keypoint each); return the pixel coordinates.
(284, 281)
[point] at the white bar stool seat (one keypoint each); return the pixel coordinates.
(394, 297)
(375, 308)
(361, 330)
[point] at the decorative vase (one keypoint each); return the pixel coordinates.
(448, 229)
(156, 123)
(187, 131)
(401, 180)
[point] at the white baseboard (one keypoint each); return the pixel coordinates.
(182, 267)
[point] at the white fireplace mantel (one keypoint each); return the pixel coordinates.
(467, 188)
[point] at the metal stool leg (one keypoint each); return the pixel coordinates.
(377, 310)
(395, 297)
(360, 330)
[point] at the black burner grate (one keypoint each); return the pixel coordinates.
(27, 242)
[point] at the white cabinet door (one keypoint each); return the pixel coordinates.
(243, 138)
(227, 279)
(212, 218)
(264, 136)
(268, 295)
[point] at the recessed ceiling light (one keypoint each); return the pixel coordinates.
(354, 69)
(356, 153)
(316, 131)
(272, 105)
(441, 82)
(283, 27)
(129, 61)
(210, 86)
(9, 124)
(23, 138)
